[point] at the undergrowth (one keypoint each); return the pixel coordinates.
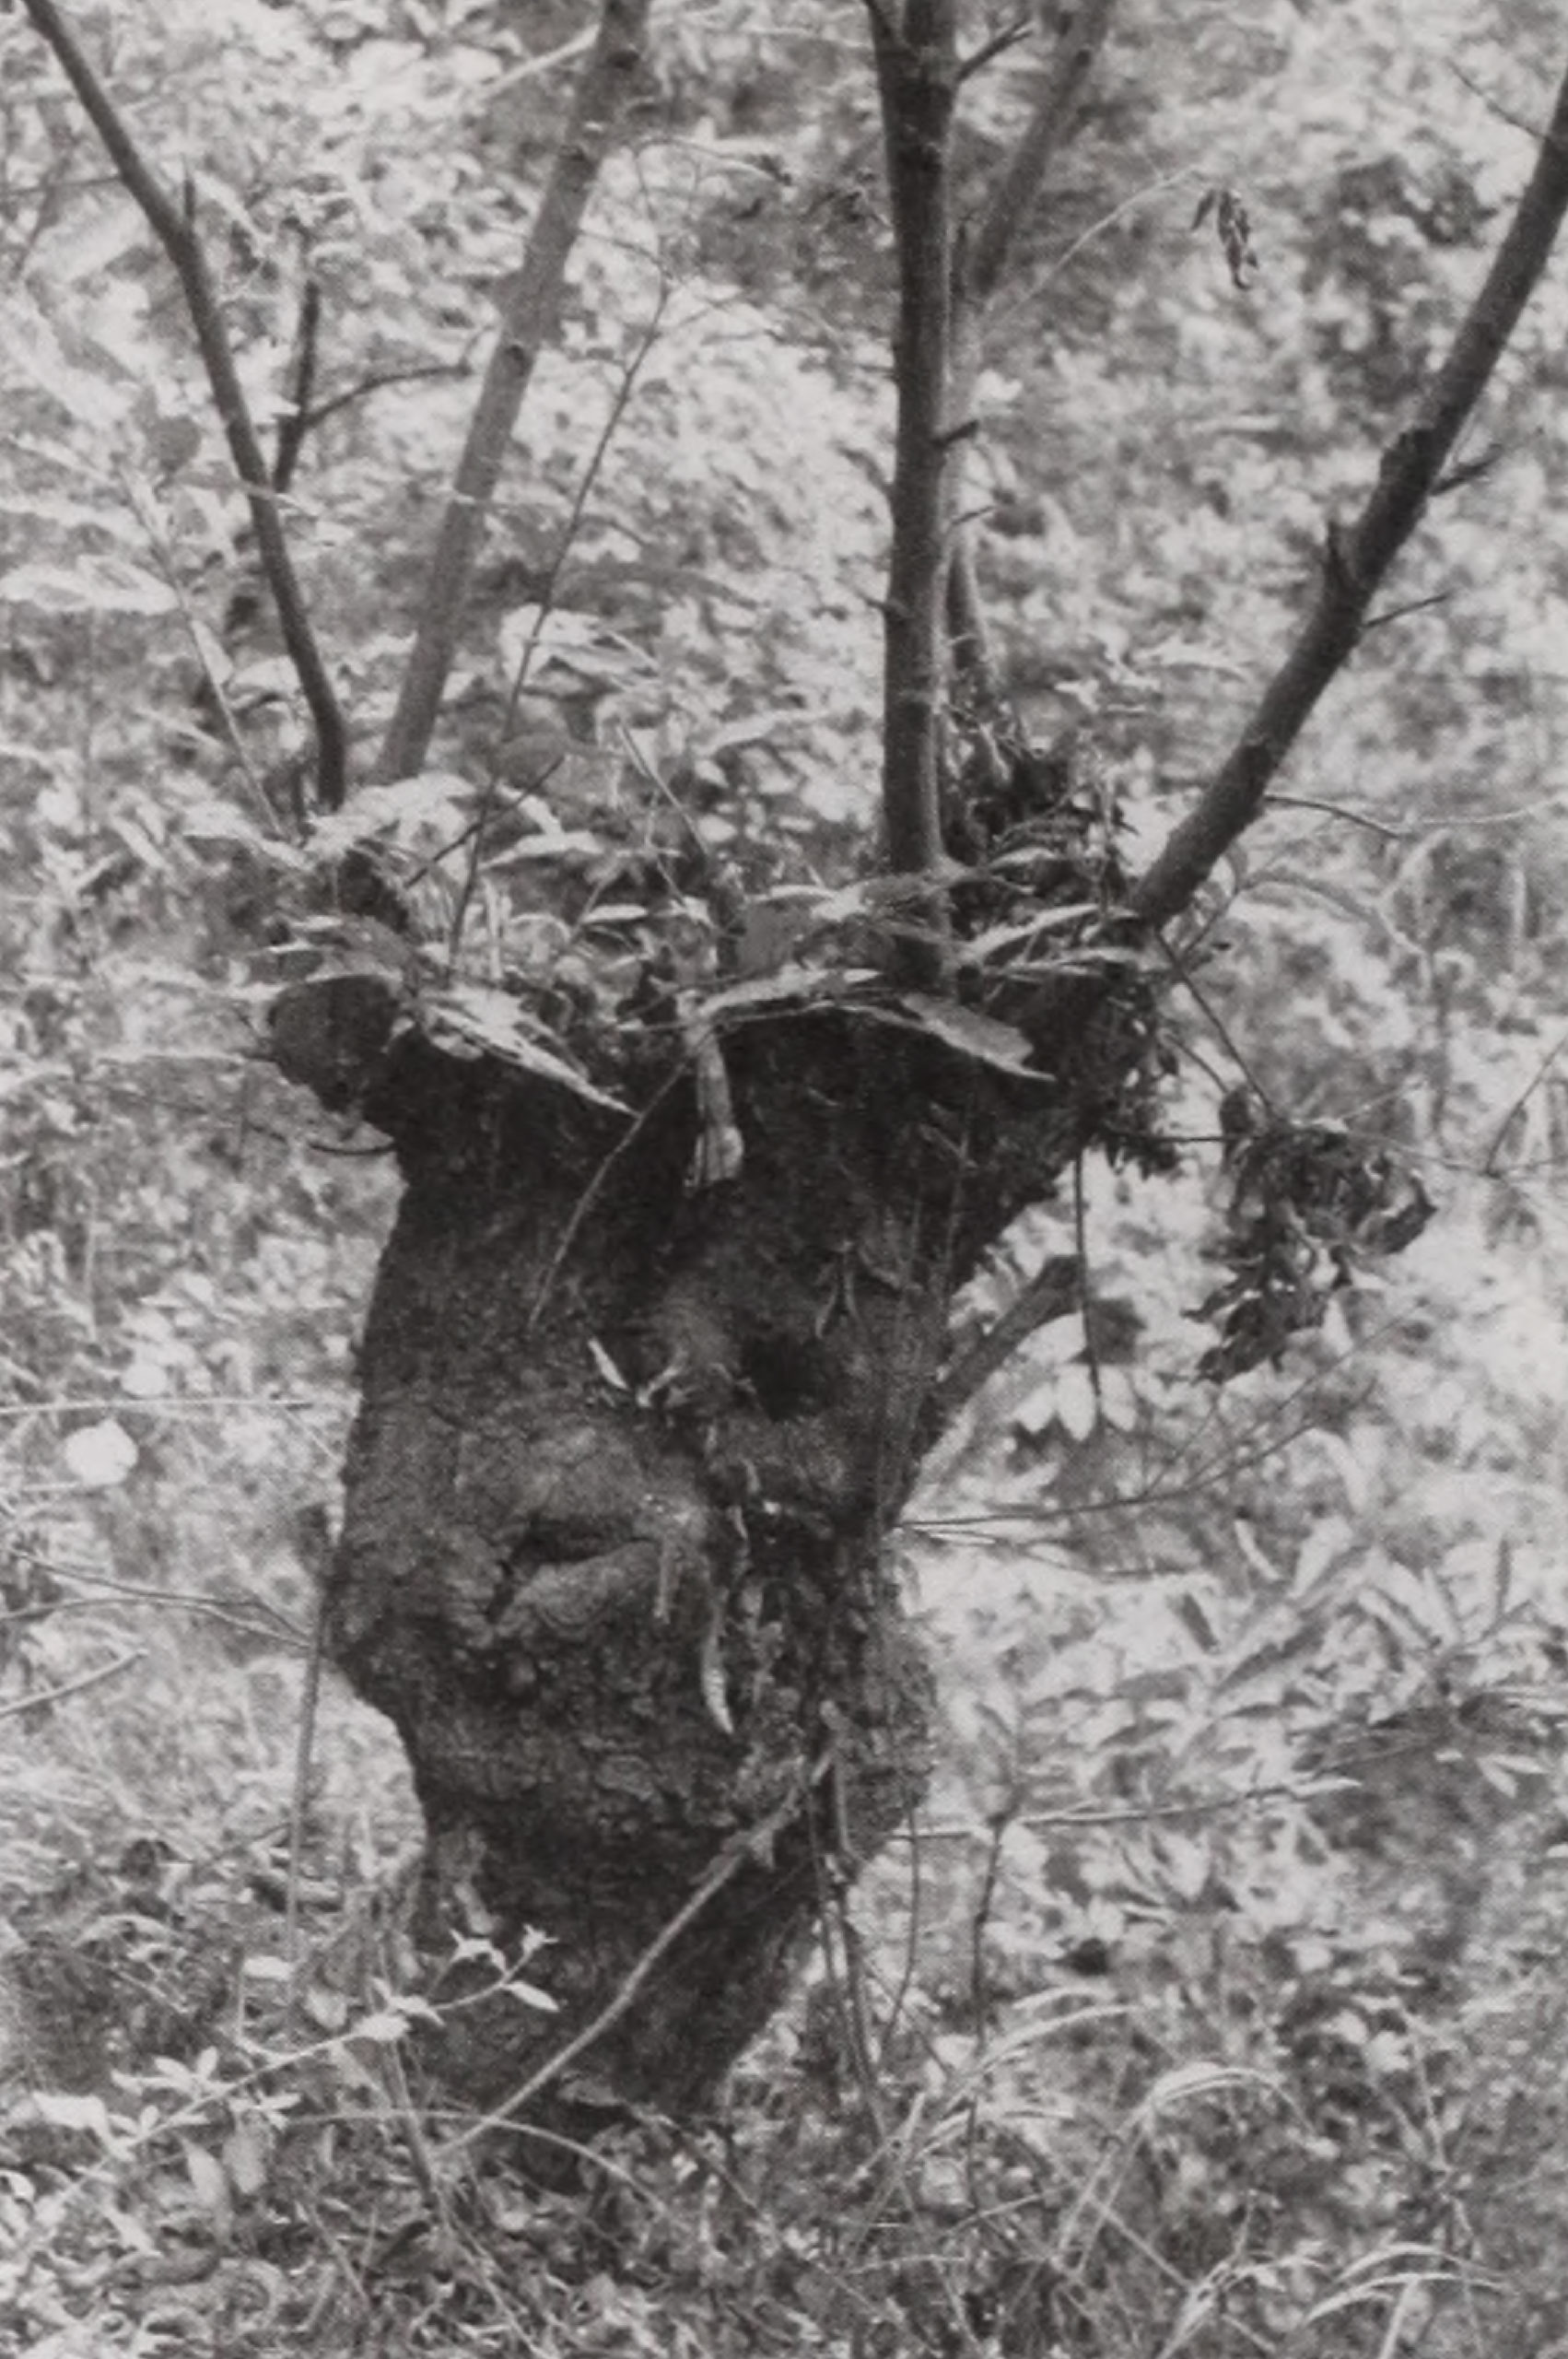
(1075, 2071)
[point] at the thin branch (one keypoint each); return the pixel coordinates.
(916, 79)
(1050, 128)
(377, 381)
(968, 633)
(298, 419)
(300, 1800)
(549, 590)
(1355, 563)
(1182, 967)
(1343, 811)
(164, 558)
(978, 266)
(1055, 1290)
(48, 1696)
(1301, 1789)
(752, 1843)
(528, 322)
(533, 69)
(173, 225)
(1492, 104)
(998, 46)
(1489, 1166)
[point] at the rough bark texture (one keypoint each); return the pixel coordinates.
(619, 1625)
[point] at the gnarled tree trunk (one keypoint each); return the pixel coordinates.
(613, 1555)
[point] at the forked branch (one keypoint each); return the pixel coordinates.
(1355, 563)
(173, 225)
(527, 321)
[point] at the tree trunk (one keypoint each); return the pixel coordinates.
(626, 1456)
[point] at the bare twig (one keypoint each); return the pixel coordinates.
(174, 227)
(980, 1922)
(527, 321)
(300, 1796)
(1182, 964)
(969, 637)
(522, 669)
(1355, 563)
(978, 268)
(298, 418)
(377, 381)
(752, 1842)
(1490, 1165)
(1054, 1291)
(533, 69)
(1050, 125)
(1343, 811)
(163, 558)
(998, 46)
(1493, 104)
(48, 1696)
(1301, 1789)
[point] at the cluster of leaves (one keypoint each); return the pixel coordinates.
(1307, 1203)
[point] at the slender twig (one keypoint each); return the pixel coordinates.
(377, 382)
(522, 669)
(298, 418)
(109, 1595)
(527, 321)
(411, 2122)
(968, 635)
(1051, 124)
(1302, 1788)
(980, 1921)
(48, 1696)
(752, 1843)
(1181, 966)
(200, 647)
(533, 68)
(1108, 221)
(1355, 562)
(913, 1931)
(1409, 607)
(998, 46)
(71, 1404)
(1051, 1293)
(174, 227)
(1229, 1463)
(1492, 104)
(1351, 818)
(1080, 1255)
(978, 266)
(1489, 1166)
(300, 1796)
